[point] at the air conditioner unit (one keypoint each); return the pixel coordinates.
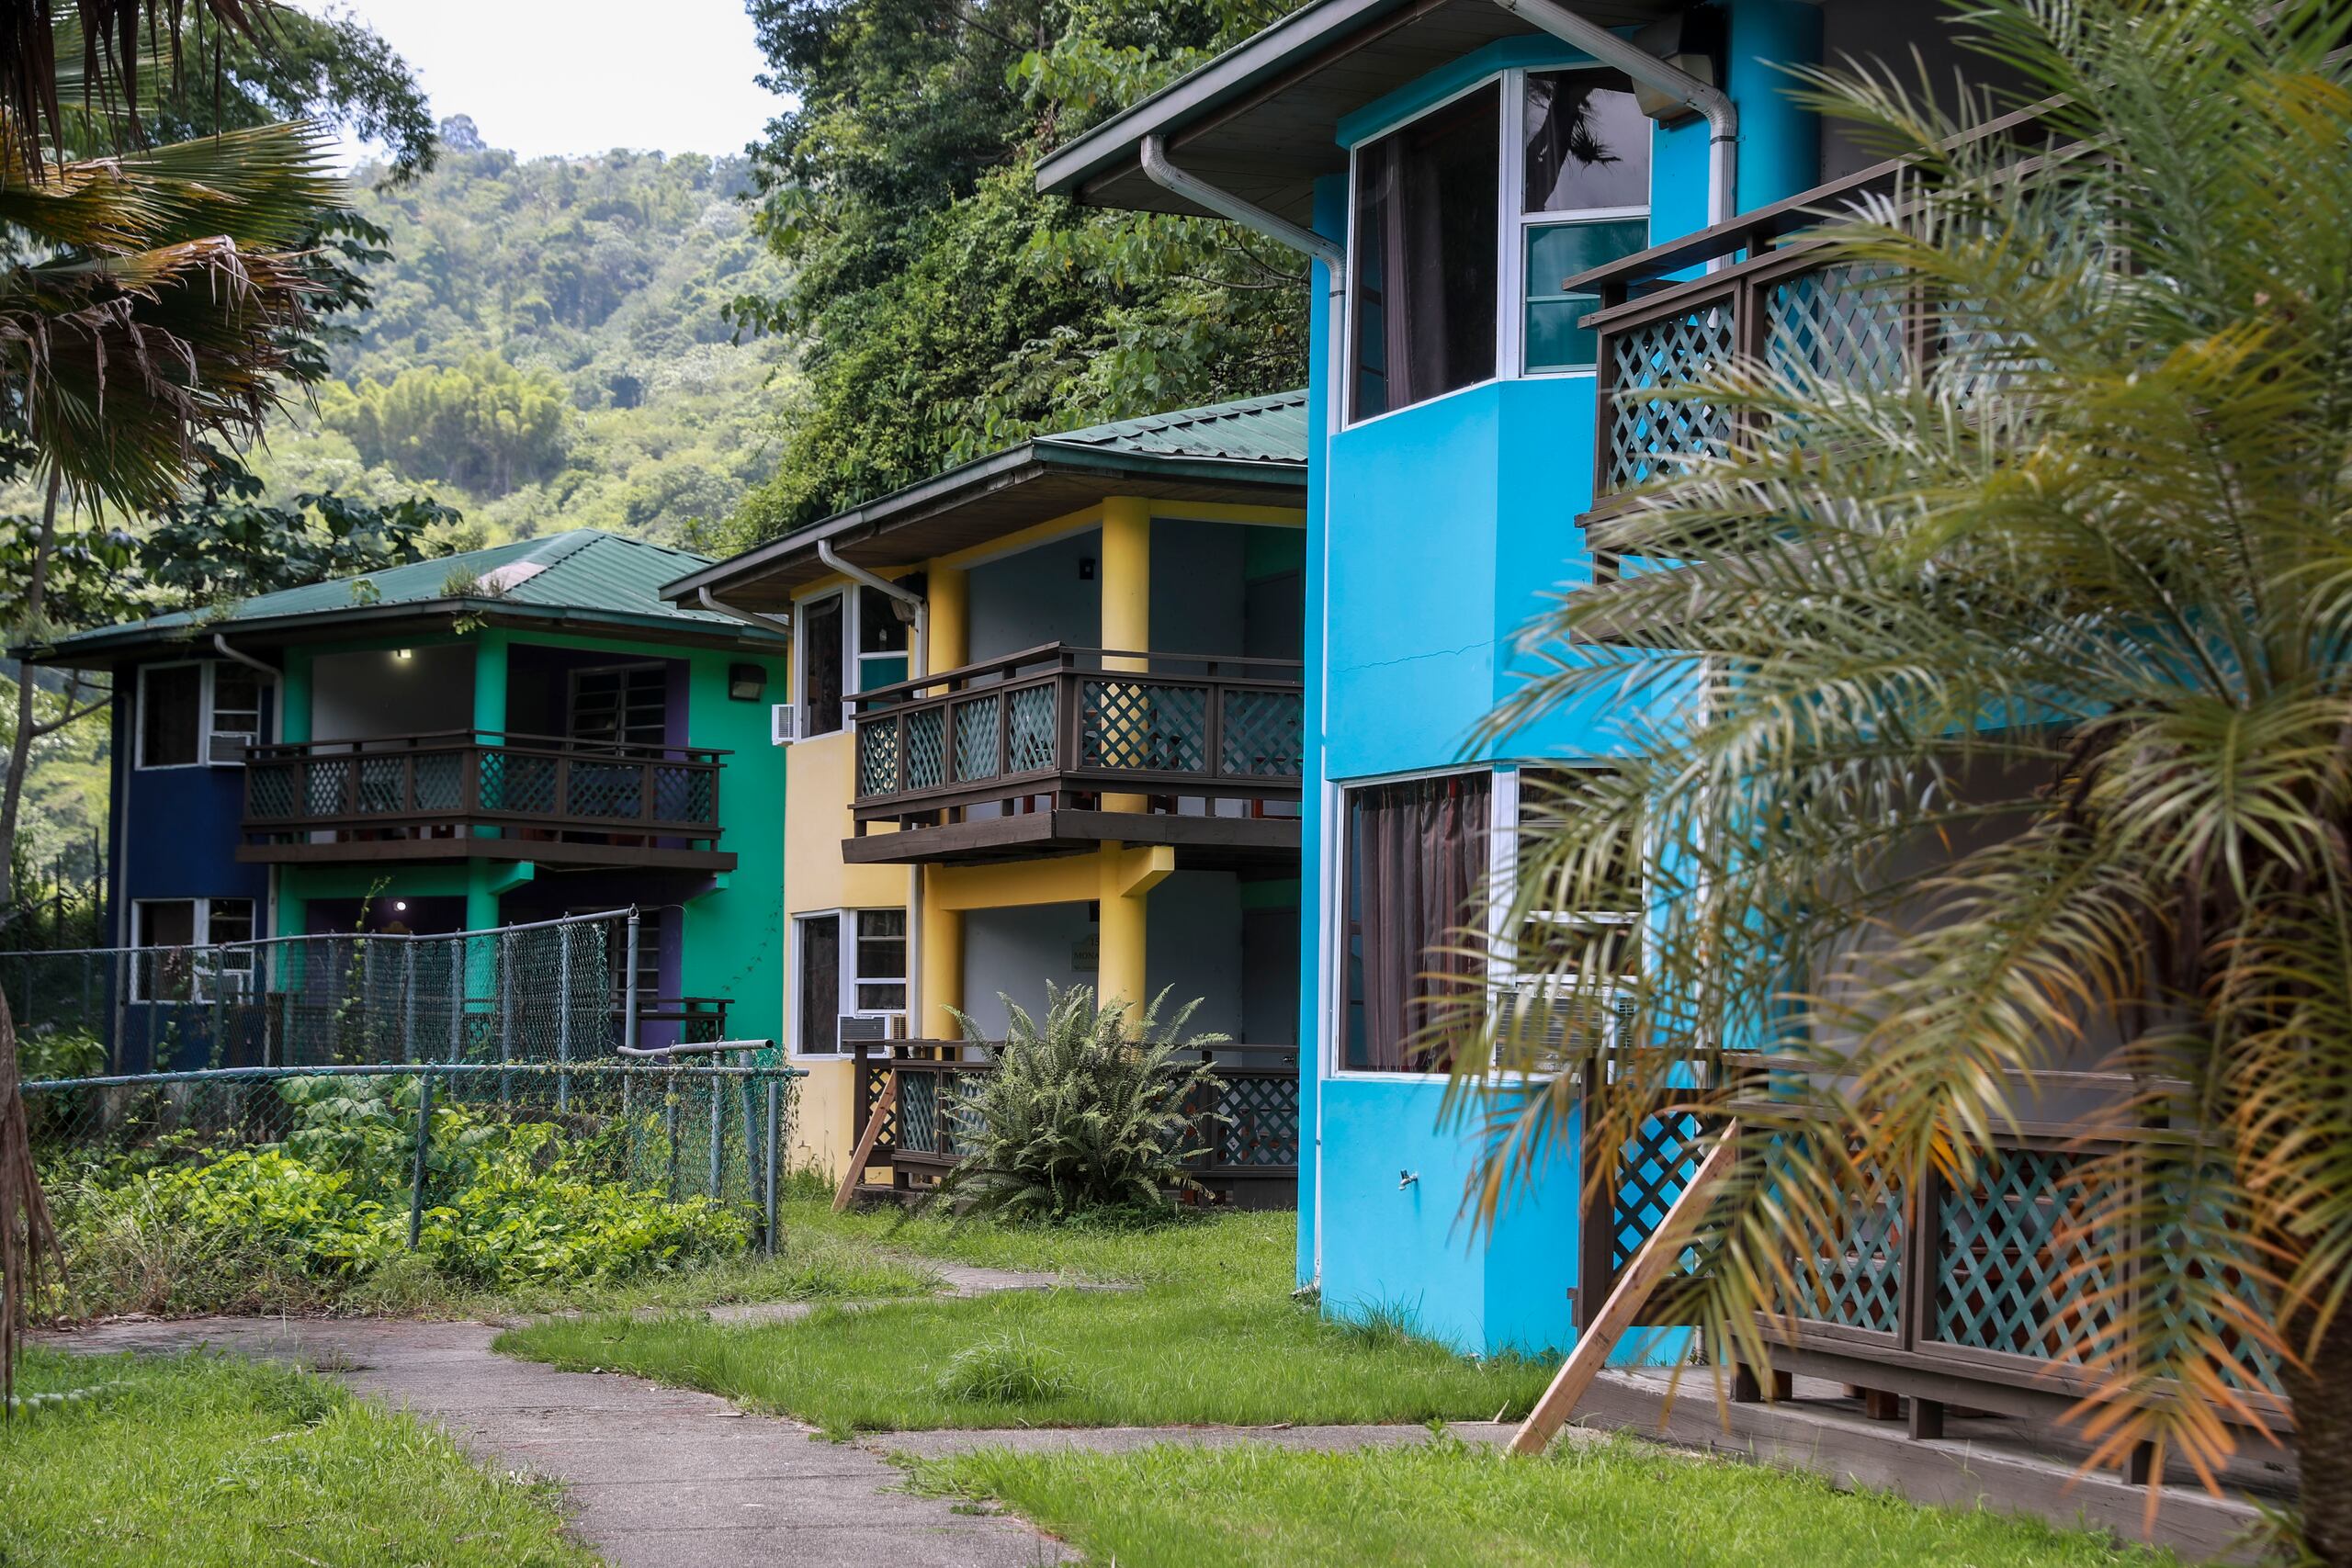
(856, 1026)
(1572, 1026)
(228, 746)
(784, 724)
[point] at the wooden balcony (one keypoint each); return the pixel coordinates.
(1056, 750)
(479, 794)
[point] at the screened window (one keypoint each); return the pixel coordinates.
(822, 650)
(181, 955)
(1417, 869)
(1427, 205)
(880, 982)
(820, 985)
(236, 711)
(628, 704)
(1584, 202)
(171, 715)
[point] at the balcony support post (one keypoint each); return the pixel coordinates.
(1127, 600)
(1128, 875)
(941, 956)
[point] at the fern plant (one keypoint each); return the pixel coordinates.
(1088, 1110)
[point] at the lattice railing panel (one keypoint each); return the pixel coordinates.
(975, 737)
(1841, 323)
(1035, 710)
(2016, 1263)
(269, 789)
(873, 1095)
(919, 1113)
(1144, 726)
(1260, 1125)
(383, 785)
(926, 742)
(2247, 1363)
(440, 782)
(1263, 734)
(684, 795)
(1652, 1169)
(877, 756)
(607, 789)
(327, 785)
(511, 781)
(1860, 1284)
(1647, 420)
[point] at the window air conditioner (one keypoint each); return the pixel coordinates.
(856, 1026)
(228, 746)
(784, 724)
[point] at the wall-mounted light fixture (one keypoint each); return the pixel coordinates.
(400, 905)
(746, 683)
(403, 653)
(1086, 568)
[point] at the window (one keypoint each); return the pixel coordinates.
(865, 977)
(1574, 958)
(627, 705)
(181, 955)
(193, 713)
(1584, 202)
(881, 640)
(1425, 199)
(1469, 221)
(821, 653)
(1417, 863)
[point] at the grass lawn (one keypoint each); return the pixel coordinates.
(1614, 1504)
(209, 1462)
(1208, 1333)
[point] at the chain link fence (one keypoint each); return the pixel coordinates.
(419, 1133)
(554, 991)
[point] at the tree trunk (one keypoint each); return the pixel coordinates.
(20, 746)
(2321, 1397)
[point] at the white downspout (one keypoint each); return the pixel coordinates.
(1334, 257)
(749, 618)
(1722, 114)
(918, 664)
(278, 726)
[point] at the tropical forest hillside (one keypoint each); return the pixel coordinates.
(546, 349)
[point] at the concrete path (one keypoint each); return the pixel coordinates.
(654, 1477)
(1119, 1439)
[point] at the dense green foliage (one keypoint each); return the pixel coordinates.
(215, 1461)
(942, 306)
(1086, 1111)
(546, 346)
(1620, 1503)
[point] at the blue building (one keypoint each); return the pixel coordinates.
(514, 734)
(1475, 179)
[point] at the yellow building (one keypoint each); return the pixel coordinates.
(1046, 726)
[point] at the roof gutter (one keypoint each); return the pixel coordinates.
(222, 643)
(1722, 114)
(749, 618)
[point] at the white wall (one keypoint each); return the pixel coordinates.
(364, 696)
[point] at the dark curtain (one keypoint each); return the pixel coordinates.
(1418, 867)
(1427, 217)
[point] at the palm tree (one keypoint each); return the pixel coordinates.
(1997, 719)
(147, 299)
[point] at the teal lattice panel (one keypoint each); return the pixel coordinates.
(1261, 1122)
(1651, 420)
(1035, 712)
(383, 785)
(975, 737)
(607, 789)
(1265, 735)
(2017, 1265)
(877, 757)
(919, 1113)
(1860, 1281)
(1841, 323)
(927, 749)
(1653, 1168)
(440, 783)
(1145, 727)
(326, 786)
(269, 788)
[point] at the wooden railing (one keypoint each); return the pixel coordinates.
(1974, 1295)
(1252, 1139)
(463, 780)
(1058, 720)
(1779, 298)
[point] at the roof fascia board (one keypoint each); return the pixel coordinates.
(1199, 92)
(1536, 52)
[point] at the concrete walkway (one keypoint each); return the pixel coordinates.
(654, 1477)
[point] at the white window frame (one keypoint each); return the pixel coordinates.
(852, 598)
(1510, 301)
(206, 713)
(1502, 870)
(846, 978)
(235, 961)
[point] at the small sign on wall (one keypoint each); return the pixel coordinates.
(1086, 956)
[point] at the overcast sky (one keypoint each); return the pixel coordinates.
(545, 77)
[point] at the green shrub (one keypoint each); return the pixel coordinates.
(514, 1228)
(1087, 1112)
(49, 1052)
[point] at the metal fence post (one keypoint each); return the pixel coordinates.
(670, 1132)
(563, 1016)
(416, 1169)
(408, 1001)
(775, 1126)
(457, 986)
(717, 1130)
(502, 968)
(630, 1003)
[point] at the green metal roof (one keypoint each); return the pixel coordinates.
(1270, 429)
(1250, 450)
(582, 574)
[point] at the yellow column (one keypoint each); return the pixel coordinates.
(1128, 875)
(943, 967)
(1127, 602)
(950, 636)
